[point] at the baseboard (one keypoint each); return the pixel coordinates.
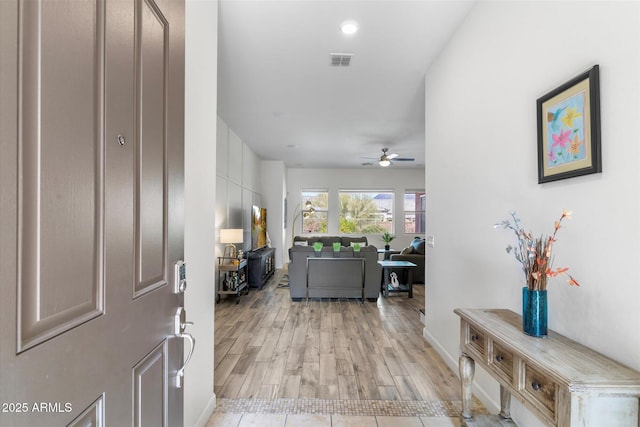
(448, 358)
(452, 362)
(207, 412)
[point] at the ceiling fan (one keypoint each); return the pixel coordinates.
(386, 159)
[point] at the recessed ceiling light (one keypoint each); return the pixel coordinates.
(349, 27)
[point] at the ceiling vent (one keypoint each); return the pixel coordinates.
(340, 59)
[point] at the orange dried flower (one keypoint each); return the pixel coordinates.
(535, 253)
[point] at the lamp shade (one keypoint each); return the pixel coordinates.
(231, 235)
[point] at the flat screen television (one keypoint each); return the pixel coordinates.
(258, 227)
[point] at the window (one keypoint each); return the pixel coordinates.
(414, 212)
(366, 212)
(315, 211)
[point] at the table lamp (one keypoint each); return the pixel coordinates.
(229, 236)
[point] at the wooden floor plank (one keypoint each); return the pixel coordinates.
(275, 372)
(348, 387)
(406, 388)
(326, 342)
(328, 371)
(295, 359)
(224, 369)
(253, 382)
(289, 387)
(221, 349)
(380, 371)
(310, 380)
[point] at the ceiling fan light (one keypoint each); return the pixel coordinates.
(384, 163)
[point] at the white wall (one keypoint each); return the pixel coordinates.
(481, 163)
(273, 191)
(334, 180)
(238, 177)
(199, 194)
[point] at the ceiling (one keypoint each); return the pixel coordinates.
(278, 92)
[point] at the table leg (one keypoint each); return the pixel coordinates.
(385, 281)
(467, 367)
(505, 403)
(410, 282)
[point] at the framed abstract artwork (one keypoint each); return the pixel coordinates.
(569, 129)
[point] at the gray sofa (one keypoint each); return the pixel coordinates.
(414, 253)
(334, 279)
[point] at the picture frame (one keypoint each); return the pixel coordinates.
(569, 129)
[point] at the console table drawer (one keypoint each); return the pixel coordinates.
(475, 339)
(538, 387)
(502, 362)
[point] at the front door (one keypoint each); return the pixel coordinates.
(91, 177)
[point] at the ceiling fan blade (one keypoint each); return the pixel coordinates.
(369, 158)
(392, 156)
(403, 159)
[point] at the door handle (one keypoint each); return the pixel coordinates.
(180, 373)
(180, 324)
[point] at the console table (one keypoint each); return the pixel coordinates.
(563, 382)
(335, 278)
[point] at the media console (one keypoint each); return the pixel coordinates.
(262, 264)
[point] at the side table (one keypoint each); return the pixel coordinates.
(235, 277)
(385, 283)
(386, 253)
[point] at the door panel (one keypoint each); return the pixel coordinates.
(93, 416)
(152, 50)
(91, 177)
(150, 383)
(55, 206)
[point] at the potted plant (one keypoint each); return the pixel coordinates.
(317, 247)
(336, 249)
(387, 238)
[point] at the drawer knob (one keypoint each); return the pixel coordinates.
(499, 358)
(474, 337)
(536, 385)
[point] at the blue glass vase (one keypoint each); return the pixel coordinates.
(534, 312)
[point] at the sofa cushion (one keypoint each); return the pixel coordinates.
(418, 246)
(407, 250)
(348, 241)
(300, 243)
(329, 240)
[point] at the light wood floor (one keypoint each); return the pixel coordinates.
(268, 347)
